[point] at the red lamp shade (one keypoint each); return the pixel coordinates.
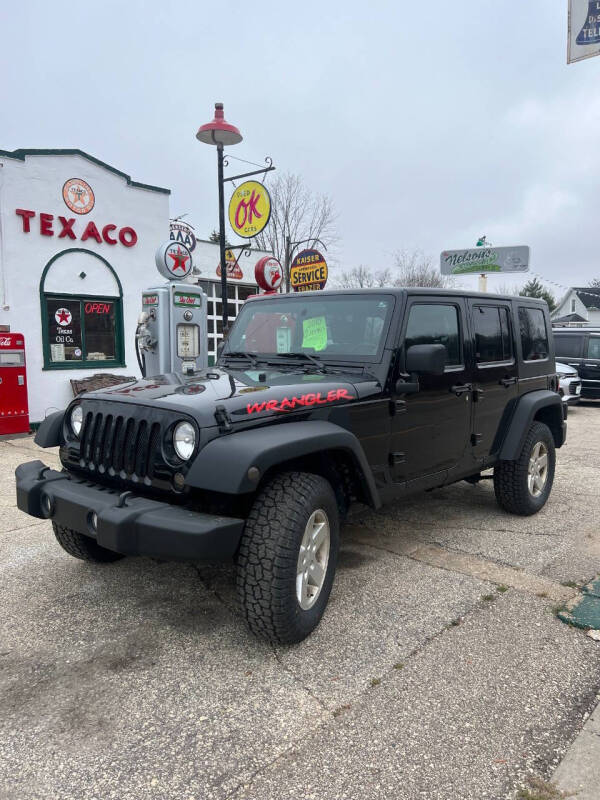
(219, 131)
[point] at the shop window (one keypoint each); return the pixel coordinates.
(244, 292)
(82, 332)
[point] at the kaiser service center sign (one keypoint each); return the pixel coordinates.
(584, 30)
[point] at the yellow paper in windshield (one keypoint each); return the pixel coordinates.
(314, 333)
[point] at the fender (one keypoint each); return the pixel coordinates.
(528, 406)
(222, 466)
(49, 432)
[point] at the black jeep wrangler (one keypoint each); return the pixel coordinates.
(318, 400)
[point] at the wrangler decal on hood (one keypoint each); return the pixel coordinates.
(307, 400)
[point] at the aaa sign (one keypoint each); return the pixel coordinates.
(249, 209)
(308, 271)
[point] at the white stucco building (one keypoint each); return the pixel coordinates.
(77, 245)
(579, 306)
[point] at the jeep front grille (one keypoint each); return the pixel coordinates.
(120, 445)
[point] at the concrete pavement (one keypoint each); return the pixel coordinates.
(440, 670)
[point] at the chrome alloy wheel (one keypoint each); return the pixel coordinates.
(313, 559)
(537, 473)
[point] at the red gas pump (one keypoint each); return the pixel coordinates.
(14, 408)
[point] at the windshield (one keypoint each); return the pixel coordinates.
(339, 328)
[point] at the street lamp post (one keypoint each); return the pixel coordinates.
(220, 133)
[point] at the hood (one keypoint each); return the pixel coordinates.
(250, 394)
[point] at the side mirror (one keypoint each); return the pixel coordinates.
(426, 359)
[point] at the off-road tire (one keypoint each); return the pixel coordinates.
(83, 547)
(268, 556)
(510, 477)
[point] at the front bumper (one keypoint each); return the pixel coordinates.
(126, 523)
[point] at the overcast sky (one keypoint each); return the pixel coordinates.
(428, 123)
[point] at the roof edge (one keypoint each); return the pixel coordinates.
(21, 154)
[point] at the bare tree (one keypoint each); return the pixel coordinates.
(297, 213)
(415, 268)
(364, 278)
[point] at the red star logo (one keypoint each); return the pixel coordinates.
(63, 316)
(179, 260)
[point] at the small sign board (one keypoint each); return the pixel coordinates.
(584, 30)
(187, 299)
(183, 233)
(268, 273)
(479, 260)
(308, 271)
(234, 271)
(173, 260)
(249, 209)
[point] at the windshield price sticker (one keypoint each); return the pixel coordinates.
(314, 333)
(283, 340)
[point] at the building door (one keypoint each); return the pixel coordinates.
(430, 433)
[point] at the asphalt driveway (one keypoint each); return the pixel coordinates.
(439, 671)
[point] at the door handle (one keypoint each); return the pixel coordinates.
(591, 365)
(508, 381)
(460, 388)
(574, 363)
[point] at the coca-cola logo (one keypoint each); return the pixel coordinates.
(5, 341)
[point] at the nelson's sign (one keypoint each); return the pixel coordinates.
(63, 228)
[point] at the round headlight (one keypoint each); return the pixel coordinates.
(76, 420)
(184, 440)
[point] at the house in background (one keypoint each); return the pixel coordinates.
(579, 307)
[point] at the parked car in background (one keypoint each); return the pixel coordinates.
(569, 383)
(580, 348)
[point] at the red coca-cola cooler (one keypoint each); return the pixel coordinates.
(14, 408)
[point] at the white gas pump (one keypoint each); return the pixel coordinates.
(171, 335)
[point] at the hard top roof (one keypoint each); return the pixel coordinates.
(411, 290)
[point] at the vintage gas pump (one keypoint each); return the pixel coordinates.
(14, 409)
(171, 334)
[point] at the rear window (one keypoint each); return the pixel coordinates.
(534, 337)
(492, 334)
(568, 346)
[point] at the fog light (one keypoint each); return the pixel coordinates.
(94, 521)
(47, 505)
(178, 480)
